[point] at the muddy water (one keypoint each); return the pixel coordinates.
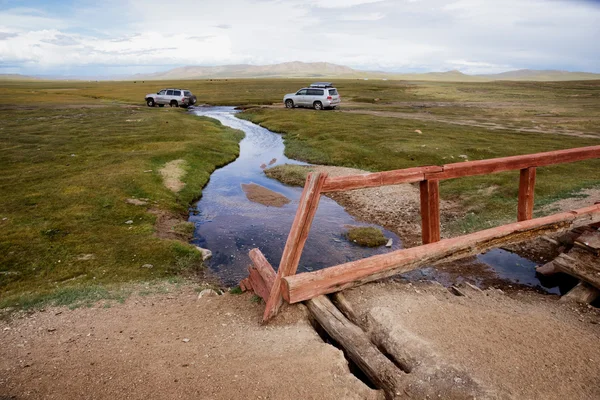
(230, 225)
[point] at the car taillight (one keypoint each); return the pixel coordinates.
(329, 97)
(183, 99)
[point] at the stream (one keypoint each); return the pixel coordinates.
(230, 225)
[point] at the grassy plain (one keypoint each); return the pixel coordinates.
(73, 152)
(67, 166)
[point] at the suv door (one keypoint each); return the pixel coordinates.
(169, 96)
(160, 97)
(300, 98)
(177, 96)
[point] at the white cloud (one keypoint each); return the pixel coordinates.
(475, 36)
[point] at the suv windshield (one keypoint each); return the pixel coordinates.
(333, 92)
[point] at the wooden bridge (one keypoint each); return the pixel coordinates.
(285, 284)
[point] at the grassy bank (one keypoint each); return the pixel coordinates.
(377, 143)
(66, 172)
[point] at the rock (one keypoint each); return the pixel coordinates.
(207, 293)
(129, 222)
(85, 257)
(185, 340)
(389, 243)
(263, 166)
(51, 329)
(136, 202)
(418, 131)
(148, 170)
(147, 266)
(463, 156)
(206, 253)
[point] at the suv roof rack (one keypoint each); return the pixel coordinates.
(321, 85)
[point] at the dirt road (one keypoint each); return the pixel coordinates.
(171, 346)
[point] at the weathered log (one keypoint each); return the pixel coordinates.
(546, 269)
(583, 292)
(430, 211)
(307, 285)
(259, 286)
(582, 265)
(263, 267)
(309, 201)
(526, 194)
(245, 285)
(377, 367)
(589, 240)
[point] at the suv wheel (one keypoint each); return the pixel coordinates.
(289, 103)
(150, 102)
(173, 103)
(317, 105)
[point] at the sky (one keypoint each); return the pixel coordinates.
(124, 37)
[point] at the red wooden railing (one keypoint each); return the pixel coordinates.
(428, 178)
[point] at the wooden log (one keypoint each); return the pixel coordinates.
(263, 267)
(493, 165)
(259, 286)
(245, 285)
(546, 269)
(581, 265)
(526, 194)
(582, 293)
(590, 241)
(307, 285)
(309, 201)
(357, 346)
(430, 211)
(351, 182)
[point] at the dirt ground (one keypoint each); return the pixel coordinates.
(172, 173)
(517, 346)
(171, 346)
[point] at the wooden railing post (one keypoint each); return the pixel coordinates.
(526, 194)
(309, 201)
(430, 210)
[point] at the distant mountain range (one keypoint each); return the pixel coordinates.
(299, 69)
(325, 70)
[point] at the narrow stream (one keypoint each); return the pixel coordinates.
(229, 224)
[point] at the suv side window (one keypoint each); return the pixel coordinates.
(315, 92)
(162, 92)
(187, 93)
(177, 93)
(169, 93)
(301, 92)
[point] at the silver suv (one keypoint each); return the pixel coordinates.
(319, 95)
(172, 97)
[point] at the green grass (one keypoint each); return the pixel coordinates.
(366, 236)
(65, 174)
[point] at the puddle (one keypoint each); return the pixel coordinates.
(230, 220)
(229, 224)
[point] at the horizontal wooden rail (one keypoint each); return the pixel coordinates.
(457, 170)
(304, 286)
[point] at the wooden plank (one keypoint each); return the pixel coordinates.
(307, 285)
(309, 201)
(357, 346)
(430, 211)
(526, 194)
(259, 286)
(493, 165)
(245, 285)
(589, 240)
(263, 267)
(395, 177)
(580, 264)
(583, 292)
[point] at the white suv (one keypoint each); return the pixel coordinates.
(172, 97)
(319, 95)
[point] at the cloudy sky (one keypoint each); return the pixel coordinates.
(112, 37)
